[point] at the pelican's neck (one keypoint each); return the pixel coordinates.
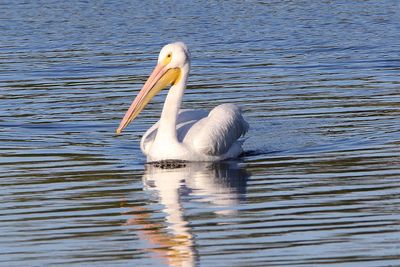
(167, 128)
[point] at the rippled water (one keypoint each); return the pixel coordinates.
(319, 183)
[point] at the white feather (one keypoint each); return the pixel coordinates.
(211, 136)
(218, 132)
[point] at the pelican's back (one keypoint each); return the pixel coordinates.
(219, 132)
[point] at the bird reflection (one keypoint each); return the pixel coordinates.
(219, 185)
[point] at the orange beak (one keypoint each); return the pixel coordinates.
(161, 77)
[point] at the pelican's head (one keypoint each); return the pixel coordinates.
(175, 55)
(173, 62)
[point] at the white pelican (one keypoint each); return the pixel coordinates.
(188, 135)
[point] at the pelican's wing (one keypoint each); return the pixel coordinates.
(215, 134)
(186, 119)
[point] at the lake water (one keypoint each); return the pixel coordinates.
(319, 183)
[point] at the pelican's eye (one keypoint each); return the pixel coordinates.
(168, 58)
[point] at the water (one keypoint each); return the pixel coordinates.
(319, 182)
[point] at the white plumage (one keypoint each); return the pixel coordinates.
(191, 135)
(211, 136)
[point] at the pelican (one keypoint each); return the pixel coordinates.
(184, 135)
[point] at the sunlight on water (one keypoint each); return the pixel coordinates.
(318, 183)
